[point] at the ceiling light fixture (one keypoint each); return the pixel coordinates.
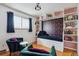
(37, 7)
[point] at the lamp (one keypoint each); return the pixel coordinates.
(37, 7)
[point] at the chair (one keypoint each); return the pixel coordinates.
(14, 45)
(26, 52)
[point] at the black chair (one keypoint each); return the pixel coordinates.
(14, 45)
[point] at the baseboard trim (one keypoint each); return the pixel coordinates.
(3, 50)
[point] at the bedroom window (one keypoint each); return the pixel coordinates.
(21, 22)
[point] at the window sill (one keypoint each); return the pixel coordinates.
(21, 29)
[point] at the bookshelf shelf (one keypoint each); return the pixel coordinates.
(70, 48)
(70, 41)
(71, 21)
(70, 34)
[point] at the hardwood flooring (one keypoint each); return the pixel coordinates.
(59, 53)
(6, 53)
(66, 52)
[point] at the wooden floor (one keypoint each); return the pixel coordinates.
(59, 53)
(66, 52)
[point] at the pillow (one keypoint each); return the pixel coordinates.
(38, 50)
(14, 39)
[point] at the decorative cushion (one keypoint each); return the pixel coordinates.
(14, 39)
(38, 50)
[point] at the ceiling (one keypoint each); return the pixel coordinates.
(45, 7)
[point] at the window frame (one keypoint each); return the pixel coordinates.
(21, 23)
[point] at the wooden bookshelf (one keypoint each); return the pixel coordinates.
(70, 30)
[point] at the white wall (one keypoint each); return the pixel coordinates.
(28, 36)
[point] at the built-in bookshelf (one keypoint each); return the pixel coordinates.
(70, 30)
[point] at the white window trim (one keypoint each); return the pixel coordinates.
(21, 24)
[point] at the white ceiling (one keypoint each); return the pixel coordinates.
(46, 7)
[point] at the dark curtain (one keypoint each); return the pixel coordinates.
(30, 24)
(10, 23)
(42, 25)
